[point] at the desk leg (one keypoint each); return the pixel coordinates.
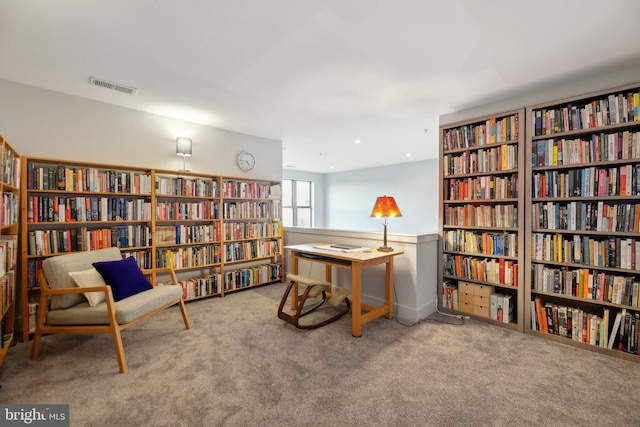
(356, 299)
(294, 289)
(389, 288)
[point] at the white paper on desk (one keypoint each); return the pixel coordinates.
(333, 248)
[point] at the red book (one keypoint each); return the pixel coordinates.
(601, 183)
(36, 210)
(501, 270)
(542, 317)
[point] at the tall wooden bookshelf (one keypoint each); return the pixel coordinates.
(481, 219)
(187, 230)
(10, 186)
(252, 233)
(161, 217)
(584, 233)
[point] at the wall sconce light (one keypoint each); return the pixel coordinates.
(183, 148)
(385, 207)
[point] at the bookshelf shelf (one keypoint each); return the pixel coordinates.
(163, 218)
(481, 196)
(584, 233)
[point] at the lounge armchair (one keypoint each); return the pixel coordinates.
(75, 297)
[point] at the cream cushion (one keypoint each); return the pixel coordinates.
(89, 278)
(57, 269)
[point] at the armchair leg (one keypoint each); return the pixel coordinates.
(42, 313)
(35, 347)
(117, 342)
(114, 329)
(185, 316)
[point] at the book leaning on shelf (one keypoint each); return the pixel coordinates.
(625, 332)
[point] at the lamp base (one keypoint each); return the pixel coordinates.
(384, 247)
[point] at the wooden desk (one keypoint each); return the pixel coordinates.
(356, 261)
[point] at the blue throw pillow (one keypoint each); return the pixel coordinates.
(124, 276)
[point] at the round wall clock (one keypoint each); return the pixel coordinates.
(246, 161)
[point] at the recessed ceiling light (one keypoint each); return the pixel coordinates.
(408, 154)
(357, 141)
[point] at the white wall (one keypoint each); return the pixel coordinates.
(344, 199)
(42, 123)
(609, 76)
(350, 196)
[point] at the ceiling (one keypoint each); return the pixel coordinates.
(318, 75)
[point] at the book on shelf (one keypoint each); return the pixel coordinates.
(275, 191)
(33, 312)
(562, 321)
(504, 309)
(7, 338)
(623, 331)
(450, 295)
(541, 320)
(604, 332)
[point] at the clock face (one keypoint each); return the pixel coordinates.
(246, 161)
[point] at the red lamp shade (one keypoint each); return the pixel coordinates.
(385, 207)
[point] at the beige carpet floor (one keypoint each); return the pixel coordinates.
(242, 366)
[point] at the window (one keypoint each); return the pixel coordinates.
(296, 203)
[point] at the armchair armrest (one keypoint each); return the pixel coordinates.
(169, 270)
(77, 290)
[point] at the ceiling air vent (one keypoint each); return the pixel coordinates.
(113, 86)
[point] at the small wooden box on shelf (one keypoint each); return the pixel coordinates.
(475, 298)
(484, 301)
(481, 221)
(584, 233)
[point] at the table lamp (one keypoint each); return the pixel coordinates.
(385, 207)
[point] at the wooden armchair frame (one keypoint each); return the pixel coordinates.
(114, 327)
